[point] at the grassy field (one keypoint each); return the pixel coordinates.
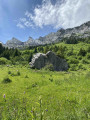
(27, 94)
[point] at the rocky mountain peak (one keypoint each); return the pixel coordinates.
(61, 30)
(82, 31)
(30, 39)
(13, 40)
(87, 24)
(14, 43)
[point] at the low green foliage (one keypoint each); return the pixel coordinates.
(16, 73)
(49, 67)
(88, 56)
(44, 95)
(85, 61)
(4, 61)
(26, 76)
(9, 72)
(73, 61)
(82, 52)
(6, 80)
(74, 53)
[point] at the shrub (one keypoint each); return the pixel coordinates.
(82, 52)
(85, 61)
(70, 53)
(88, 56)
(34, 85)
(49, 67)
(16, 53)
(26, 76)
(79, 57)
(88, 49)
(73, 61)
(73, 67)
(6, 80)
(4, 61)
(30, 57)
(9, 72)
(18, 59)
(80, 66)
(18, 73)
(51, 79)
(71, 40)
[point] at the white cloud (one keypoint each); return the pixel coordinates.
(66, 14)
(20, 25)
(23, 22)
(23, 19)
(28, 24)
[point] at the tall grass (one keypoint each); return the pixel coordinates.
(44, 95)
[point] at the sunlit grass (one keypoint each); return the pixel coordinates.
(63, 95)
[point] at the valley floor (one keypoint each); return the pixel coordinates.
(27, 94)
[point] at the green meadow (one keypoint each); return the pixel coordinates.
(31, 94)
(43, 95)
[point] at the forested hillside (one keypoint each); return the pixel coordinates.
(76, 54)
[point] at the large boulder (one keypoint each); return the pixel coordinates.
(40, 60)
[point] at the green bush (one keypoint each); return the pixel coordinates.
(88, 49)
(85, 61)
(6, 80)
(80, 66)
(49, 67)
(4, 61)
(51, 79)
(79, 57)
(18, 73)
(26, 76)
(73, 61)
(88, 56)
(18, 58)
(82, 52)
(9, 72)
(69, 53)
(73, 67)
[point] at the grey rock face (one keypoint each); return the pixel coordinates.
(82, 31)
(40, 60)
(31, 42)
(14, 43)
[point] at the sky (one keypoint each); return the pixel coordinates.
(34, 18)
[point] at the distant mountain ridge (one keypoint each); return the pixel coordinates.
(82, 31)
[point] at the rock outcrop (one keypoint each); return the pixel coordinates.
(14, 43)
(40, 60)
(82, 31)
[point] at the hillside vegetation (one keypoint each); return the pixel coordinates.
(77, 55)
(31, 94)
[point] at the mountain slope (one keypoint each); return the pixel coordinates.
(82, 31)
(14, 43)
